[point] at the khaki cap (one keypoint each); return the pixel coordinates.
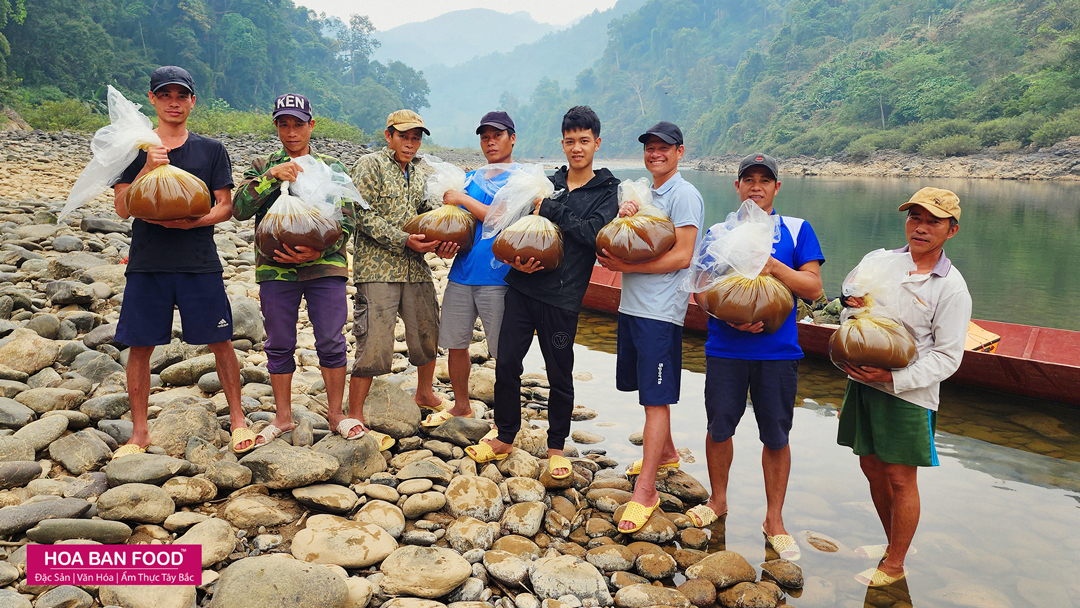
(404, 120)
(940, 203)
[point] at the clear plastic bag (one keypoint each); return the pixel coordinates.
(307, 212)
(115, 146)
(516, 197)
(167, 193)
(642, 237)
(530, 237)
(727, 267)
(490, 178)
(447, 223)
(443, 178)
(873, 335)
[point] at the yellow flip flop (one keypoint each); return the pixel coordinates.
(784, 544)
(440, 417)
(559, 462)
(385, 441)
(702, 516)
(876, 578)
(637, 514)
(240, 435)
(482, 453)
(492, 434)
(635, 467)
(128, 449)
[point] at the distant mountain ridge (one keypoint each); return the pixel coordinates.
(461, 94)
(458, 36)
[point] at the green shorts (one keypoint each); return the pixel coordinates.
(894, 430)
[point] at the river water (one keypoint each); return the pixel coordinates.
(1000, 525)
(1018, 245)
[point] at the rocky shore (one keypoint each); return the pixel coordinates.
(311, 519)
(1060, 161)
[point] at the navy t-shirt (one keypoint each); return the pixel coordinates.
(156, 248)
(729, 343)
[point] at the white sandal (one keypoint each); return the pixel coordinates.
(268, 434)
(349, 424)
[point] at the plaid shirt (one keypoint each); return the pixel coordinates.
(395, 197)
(258, 192)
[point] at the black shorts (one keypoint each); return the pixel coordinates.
(146, 316)
(649, 359)
(772, 386)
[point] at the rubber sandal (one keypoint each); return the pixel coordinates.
(268, 434)
(784, 544)
(349, 424)
(240, 435)
(127, 450)
(559, 462)
(635, 467)
(637, 514)
(492, 434)
(702, 516)
(876, 578)
(444, 405)
(482, 453)
(385, 441)
(438, 418)
(878, 551)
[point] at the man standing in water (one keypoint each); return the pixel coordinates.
(548, 303)
(744, 357)
(475, 286)
(651, 314)
(889, 416)
(175, 263)
(289, 275)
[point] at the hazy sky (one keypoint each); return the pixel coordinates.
(386, 15)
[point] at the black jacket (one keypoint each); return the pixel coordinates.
(580, 214)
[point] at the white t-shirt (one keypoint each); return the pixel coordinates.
(658, 296)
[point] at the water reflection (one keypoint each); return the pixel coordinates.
(999, 521)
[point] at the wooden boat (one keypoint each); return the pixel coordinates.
(1036, 362)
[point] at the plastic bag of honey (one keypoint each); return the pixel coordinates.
(642, 237)
(532, 236)
(447, 223)
(168, 193)
(727, 267)
(115, 146)
(311, 214)
(516, 197)
(873, 335)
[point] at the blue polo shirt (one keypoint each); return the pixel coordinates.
(476, 267)
(730, 343)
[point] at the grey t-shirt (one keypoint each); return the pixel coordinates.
(658, 296)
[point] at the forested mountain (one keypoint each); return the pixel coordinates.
(242, 53)
(461, 94)
(458, 36)
(823, 77)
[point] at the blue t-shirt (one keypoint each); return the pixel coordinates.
(730, 343)
(478, 266)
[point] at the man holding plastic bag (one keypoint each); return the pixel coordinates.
(175, 262)
(581, 202)
(889, 415)
(652, 310)
(286, 274)
(760, 356)
(389, 270)
(475, 286)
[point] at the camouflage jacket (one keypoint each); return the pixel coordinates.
(380, 254)
(258, 191)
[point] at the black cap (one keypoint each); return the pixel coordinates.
(669, 132)
(291, 104)
(499, 120)
(758, 160)
(170, 74)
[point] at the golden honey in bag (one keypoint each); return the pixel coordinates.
(168, 193)
(642, 237)
(876, 341)
(292, 221)
(530, 237)
(447, 223)
(737, 299)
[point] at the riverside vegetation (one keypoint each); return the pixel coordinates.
(333, 523)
